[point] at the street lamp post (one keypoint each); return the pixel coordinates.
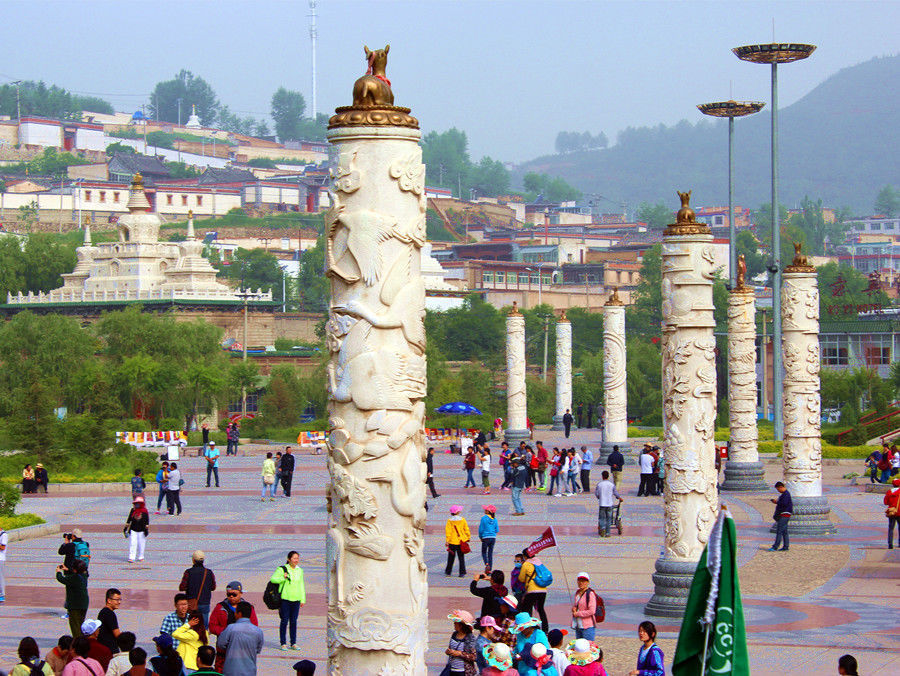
(774, 54)
(731, 110)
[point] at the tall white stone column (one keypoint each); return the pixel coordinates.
(563, 370)
(375, 563)
(516, 394)
(801, 405)
(743, 470)
(689, 407)
(615, 408)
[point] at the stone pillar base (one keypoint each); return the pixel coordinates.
(672, 582)
(744, 477)
(558, 424)
(513, 437)
(810, 518)
(606, 448)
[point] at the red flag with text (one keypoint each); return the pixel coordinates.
(548, 539)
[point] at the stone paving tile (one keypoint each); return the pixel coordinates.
(853, 610)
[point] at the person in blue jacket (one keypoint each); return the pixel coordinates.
(488, 528)
(650, 660)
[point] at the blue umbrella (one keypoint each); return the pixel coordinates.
(458, 408)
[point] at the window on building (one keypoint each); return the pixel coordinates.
(487, 277)
(199, 200)
(877, 355)
(184, 200)
(890, 225)
(834, 351)
(719, 220)
(116, 197)
(546, 279)
(87, 195)
(501, 277)
(523, 278)
(252, 404)
(102, 196)
(535, 279)
(169, 199)
(874, 226)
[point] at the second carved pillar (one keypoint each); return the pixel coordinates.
(516, 393)
(563, 370)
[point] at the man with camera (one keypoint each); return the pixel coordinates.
(73, 547)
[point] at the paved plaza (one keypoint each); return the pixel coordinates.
(804, 608)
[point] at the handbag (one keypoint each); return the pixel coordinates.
(193, 603)
(464, 547)
(268, 480)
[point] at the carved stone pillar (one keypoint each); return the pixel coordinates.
(615, 414)
(563, 371)
(689, 407)
(801, 405)
(516, 394)
(743, 470)
(375, 564)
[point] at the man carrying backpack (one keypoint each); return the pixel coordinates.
(536, 577)
(74, 549)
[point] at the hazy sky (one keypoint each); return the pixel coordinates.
(511, 74)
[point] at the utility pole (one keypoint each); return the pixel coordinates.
(313, 35)
(144, 120)
(544, 369)
(18, 104)
(179, 110)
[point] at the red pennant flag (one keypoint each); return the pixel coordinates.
(548, 539)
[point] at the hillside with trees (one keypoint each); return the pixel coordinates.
(839, 143)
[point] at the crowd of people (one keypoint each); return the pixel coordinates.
(512, 636)
(184, 642)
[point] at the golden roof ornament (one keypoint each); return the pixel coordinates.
(562, 318)
(800, 262)
(686, 220)
(614, 299)
(515, 310)
(373, 98)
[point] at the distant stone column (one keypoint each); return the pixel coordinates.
(615, 409)
(801, 405)
(375, 570)
(563, 370)
(689, 407)
(743, 470)
(516, 394)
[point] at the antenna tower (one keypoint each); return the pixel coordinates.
(313, 34)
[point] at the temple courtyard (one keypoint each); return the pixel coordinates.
(804, 608)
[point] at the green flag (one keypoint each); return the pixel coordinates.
(714, 604)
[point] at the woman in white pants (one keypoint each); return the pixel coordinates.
(137, 528)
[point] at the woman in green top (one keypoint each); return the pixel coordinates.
(268, 477)
(77, 599)
(293, 596)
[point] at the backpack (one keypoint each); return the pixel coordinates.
(272, 594)
(37, 668)
(83, 551)
(542, 576)
(600, 612)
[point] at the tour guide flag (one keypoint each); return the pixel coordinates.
(548, 539)
(714, 616)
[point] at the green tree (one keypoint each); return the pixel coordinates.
(288, 107)
(234, 123)
(643, 380)
(254, 269)
(192, 90)
(842, 288)
(747, 244)
(446, 158)
(118, 148)
(475, 331)
(490, 178)
(645, 315)
(36, 98)
(655, 215)
(46, 259)
(313, 289)
(820, 236)
(548, 189)
(887, 203)
(283, 401)
(28, 215)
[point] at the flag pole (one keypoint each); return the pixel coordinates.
(705, 647)
(561, 565)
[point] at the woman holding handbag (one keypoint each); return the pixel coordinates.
(137, 528)
(462, 647)
(458, 536)
(268, 477)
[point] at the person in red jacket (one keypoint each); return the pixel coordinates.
(892, 502)
(223, 615)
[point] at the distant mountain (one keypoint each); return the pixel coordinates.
(840, 142)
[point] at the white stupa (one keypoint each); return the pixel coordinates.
(138, 266)
(193, 121)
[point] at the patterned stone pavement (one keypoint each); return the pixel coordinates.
(804, 608)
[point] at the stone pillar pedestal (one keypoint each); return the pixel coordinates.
(689, 408)
(376, 388)
(743, 471)
(563, 371)
(615, 409)
(802, 450)
(516, 395)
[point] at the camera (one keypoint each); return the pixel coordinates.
(68, 536)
